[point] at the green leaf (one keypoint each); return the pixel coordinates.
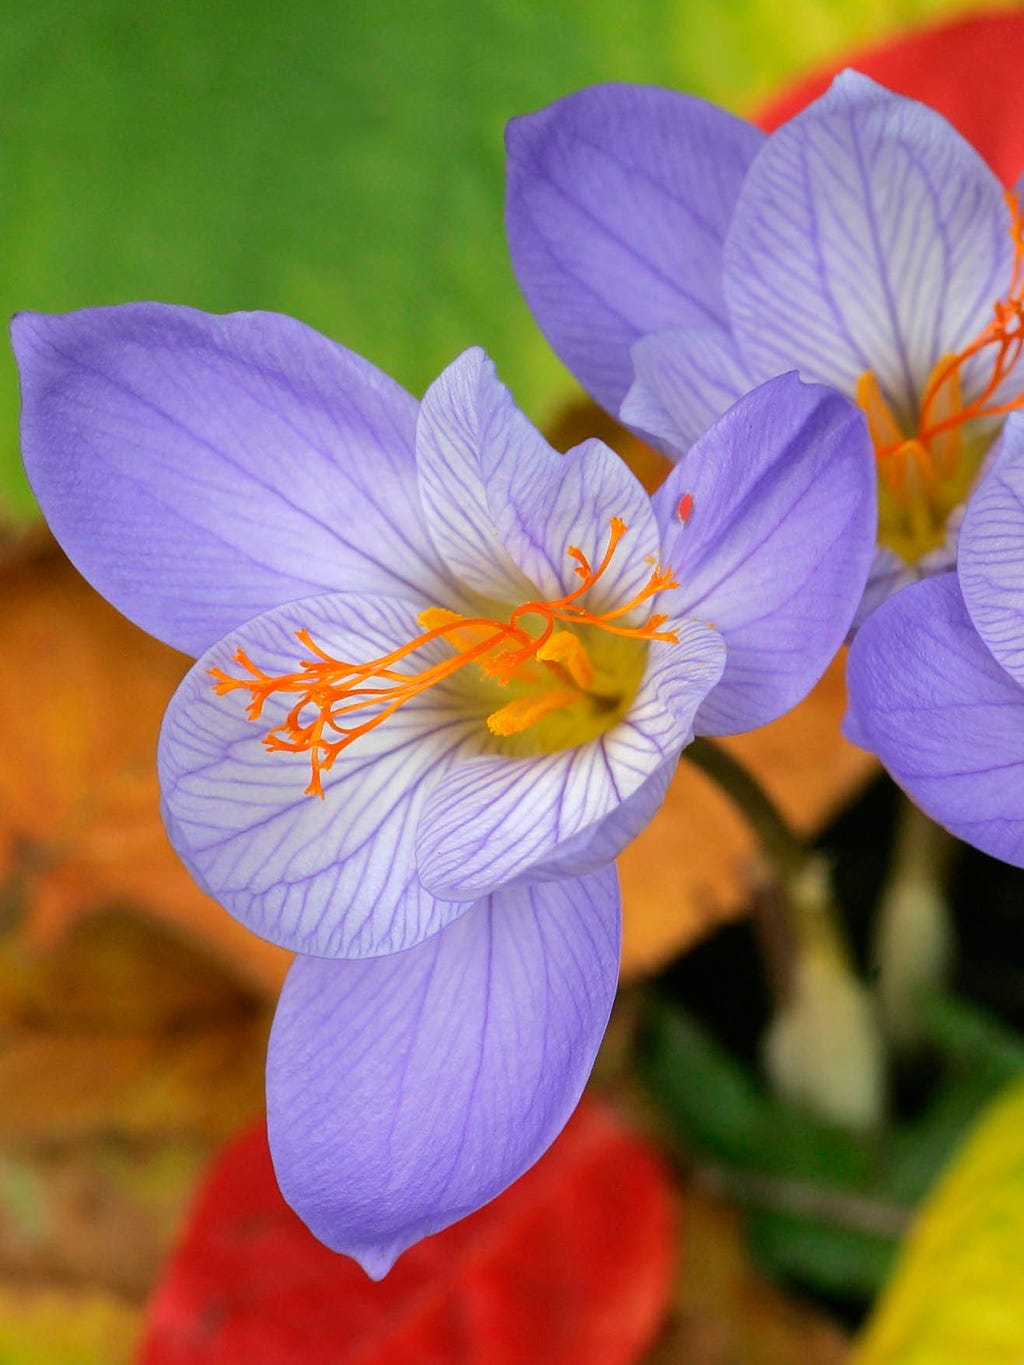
(337, 161)
(822, 1205)
(956, 1294)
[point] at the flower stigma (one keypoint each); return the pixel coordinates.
(927, 466)
(571, 677)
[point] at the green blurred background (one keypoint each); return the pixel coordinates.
(340, 162)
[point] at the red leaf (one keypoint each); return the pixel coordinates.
(967, 69)
(573, 1262)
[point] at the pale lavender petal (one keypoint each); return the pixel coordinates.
(542, 507)
(869, 235)
(406, 1091)
(618, 200)
(201, 469)
(929, 699)
(606, 839)
(684, 381)
(333, 877)
(769, 523)
(990, 559)
(504, 507)
(493, 820)
(466, 416)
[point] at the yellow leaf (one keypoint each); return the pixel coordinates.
(957, 1295)
(65, 1327)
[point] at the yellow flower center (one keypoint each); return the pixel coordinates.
(927, 467)
(565, 680)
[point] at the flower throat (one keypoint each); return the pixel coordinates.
(923, 474)
(551, 671)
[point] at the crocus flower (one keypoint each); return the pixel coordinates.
(444, 676)
(676, 256)
(937, 672)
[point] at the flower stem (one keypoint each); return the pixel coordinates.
(785, 849)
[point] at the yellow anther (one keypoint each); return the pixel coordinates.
(520, 714)
(566, 651)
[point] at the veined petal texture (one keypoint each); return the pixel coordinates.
(468, 419)
(333, 877)
(869, 235)
(990, 552)
(200, 469)
(618, 201)
(404, 1092)
(929, 699)
(769, 523)
(684, 381)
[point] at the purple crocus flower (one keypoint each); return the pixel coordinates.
(445, 674)
(675, 256)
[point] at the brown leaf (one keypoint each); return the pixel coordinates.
(82, 692)
(126, 1055)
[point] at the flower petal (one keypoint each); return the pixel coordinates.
(990, 553)
(492, 820)
(868, 236)
(769, 523)
(201, 469)
(618, 200)
(466, 412)
(504, 507)
(684, 381)
(333, 877)
(606, 839)
(406, 1091)
(543, 507)
(929, 699)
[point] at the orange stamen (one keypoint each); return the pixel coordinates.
(331, 693)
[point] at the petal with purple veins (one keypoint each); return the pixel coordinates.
(769, 523)
(467, 417)
(404, 1092)
(684, 381)
(618, 200)
(990, 552)
(333, 877)
(929, 699)
(869, 235)
(200, 469)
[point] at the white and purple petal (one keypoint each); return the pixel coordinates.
(618, 201)
(869, 235)
(404, 1092)
(200, 469)
(990, 555)
(504, 507)
(947, 721)
(468, 419)
(333, 877)
(684, 381)
(494, 820)
(769, 523)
